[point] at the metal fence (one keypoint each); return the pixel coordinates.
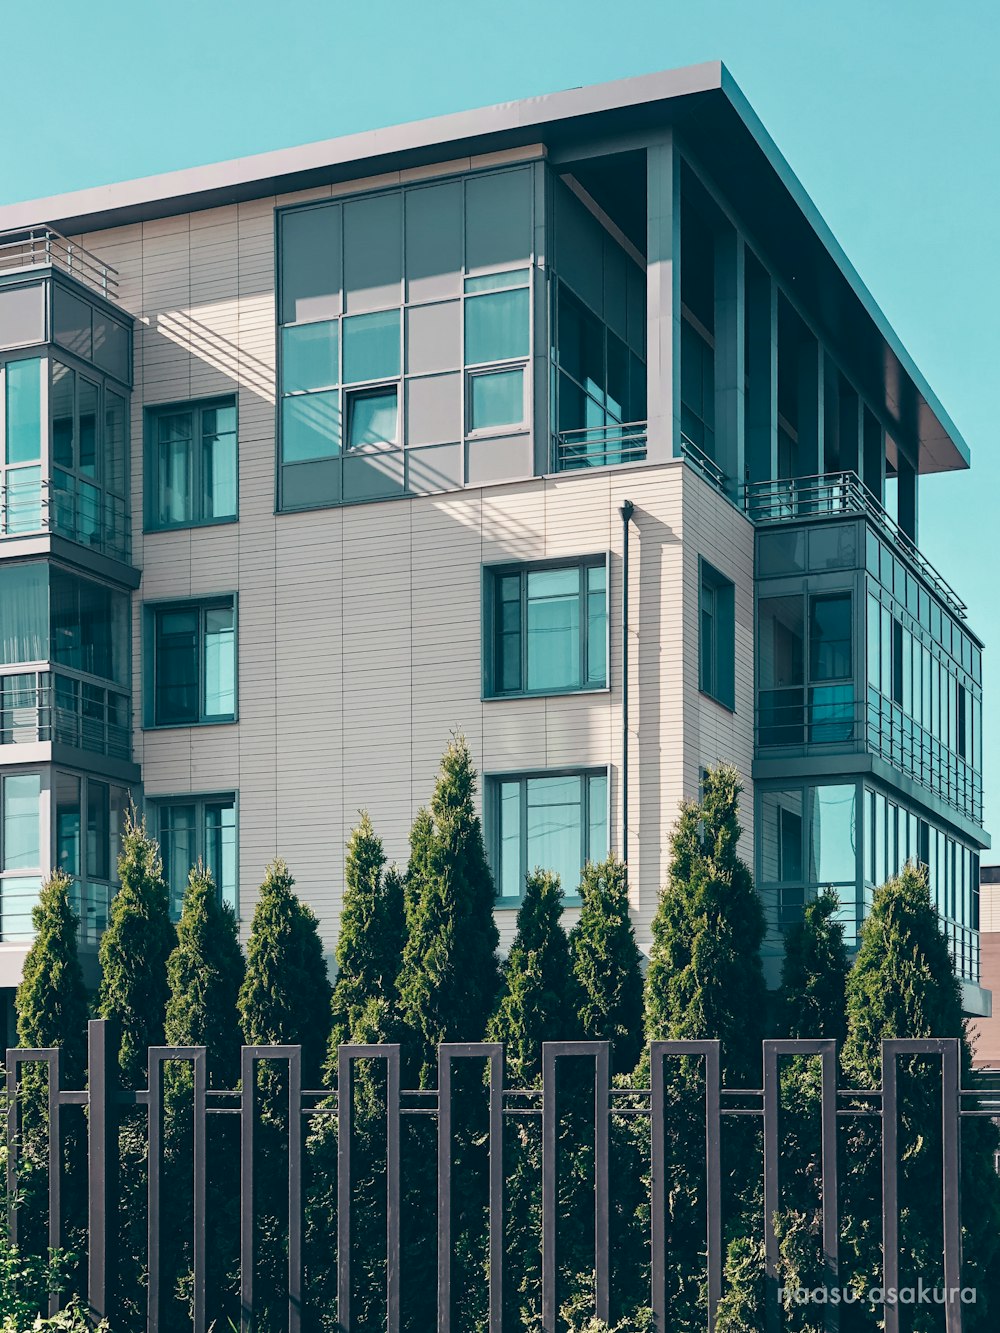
(104, 1103)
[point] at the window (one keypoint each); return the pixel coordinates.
(20, 853)
(192, 650)
(21, 447)
(191, 464)
(496, 398)
(831, 706)
(717, 641)
(372, 416)
(497, 329)
(547, 628)
(556, 821)
(193, 829)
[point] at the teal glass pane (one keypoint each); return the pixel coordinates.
(20, 895)
(61, 412)
(597, 817)
(832, 833)
(68, 824)
(98, 824)
(309, 357)
(177, 847)
(88, 427)
(218, 466)
(497, 399)
(220, 849)
(310, 427)
(830, 637)
(24, 411)
(497, 326)
(21, 843)
(371, 347)
(24, 500)
(490, 282)
(174, 445)
(554, 827)
(510, 885)
(509, 633)
(597, 625)
(372, 417)
(553, 629)
(220, 662)
(176, 667)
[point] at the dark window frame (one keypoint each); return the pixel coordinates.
(196, 407)
(202, 803)
(717, 668)
(152, 611)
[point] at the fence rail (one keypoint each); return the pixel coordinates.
(43, 246)
(105, 1103)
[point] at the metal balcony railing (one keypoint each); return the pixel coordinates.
(65, 505)
(833, 717)
(37, 247)
(835, 493)
(599, 446)
(19, 895)
(64, 709)
(702, 463)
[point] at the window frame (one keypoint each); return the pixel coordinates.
(152, 412)
(202, 800)
(151, 612)
(493, 783)
(491, 577)
(713, 581)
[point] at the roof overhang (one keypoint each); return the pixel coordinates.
(715, 122)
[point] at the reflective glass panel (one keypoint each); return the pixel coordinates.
(88, 427)
(176, 666)
(553, 629)
(177, 846)
(218, 462)
(310, 356)
(68, 824)
(220, 662)
(220, 848)
(554, 827)
(61, 413)
(23, 411)
(510, 885)
(310, 426)
(496, 326)
(496, 399)
(21, 844)
(372, 417)
(175, 443)
(832, 835)
(371, 347)
(597, 625)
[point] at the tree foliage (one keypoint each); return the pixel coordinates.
(450, 974)
(51, 1001)
(814, 974)
(134, 951)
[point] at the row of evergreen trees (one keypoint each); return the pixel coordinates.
(417, 963)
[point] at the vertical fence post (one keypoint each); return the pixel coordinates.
(102, 1166)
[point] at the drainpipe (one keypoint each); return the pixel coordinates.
(626, 511)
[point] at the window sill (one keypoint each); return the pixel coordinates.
(498, 432)
(545, 694)
(515, 904)
(195, 523)
(188, 726)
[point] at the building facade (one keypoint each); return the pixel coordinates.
(313, 459)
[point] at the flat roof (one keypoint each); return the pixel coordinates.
(714, 120)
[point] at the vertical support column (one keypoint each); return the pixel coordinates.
(873, 455)
(906, 488)
(730, 378)
(762, 372)
(810, 424)
(663, 299)
(541, 316)
(102, 1182)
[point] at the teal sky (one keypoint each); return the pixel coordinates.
(886, 109)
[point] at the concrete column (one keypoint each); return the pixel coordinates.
(873, 456)
(663, 299)
(810, 405)
(762, 373)
(906, 486)
(541, 410)
(730, 379)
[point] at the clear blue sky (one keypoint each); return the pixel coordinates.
(886, 109)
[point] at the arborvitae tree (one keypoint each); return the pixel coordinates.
(539, 998)
(705, 978)
(205, 972)
(450, 976)
(607, 964)
(51, 1001)
(903, 985)
(285, 995)
(372, 933)
(134, 952)
(814, 974)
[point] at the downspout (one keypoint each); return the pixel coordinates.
(626, 511)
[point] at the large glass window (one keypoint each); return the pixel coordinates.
(193, 663)
(24, 613)
(555, 821)
(193, 829)
(90, 626)
(717, 637)
(547, 628)
(20, 470)
(21, 848)
(191, 470)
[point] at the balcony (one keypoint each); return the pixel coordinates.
(66, 506)
(42, 247)
(19, 896)
(831, 495)
(599, 446)
(45, 707)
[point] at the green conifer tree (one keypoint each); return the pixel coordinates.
(285, 995)
(902, 984)
(372, 934)
(51, 1001)
(450, 975)
(205, 972)
(607, 964)
(538, 1001)
(134, 951)
(814, 974)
